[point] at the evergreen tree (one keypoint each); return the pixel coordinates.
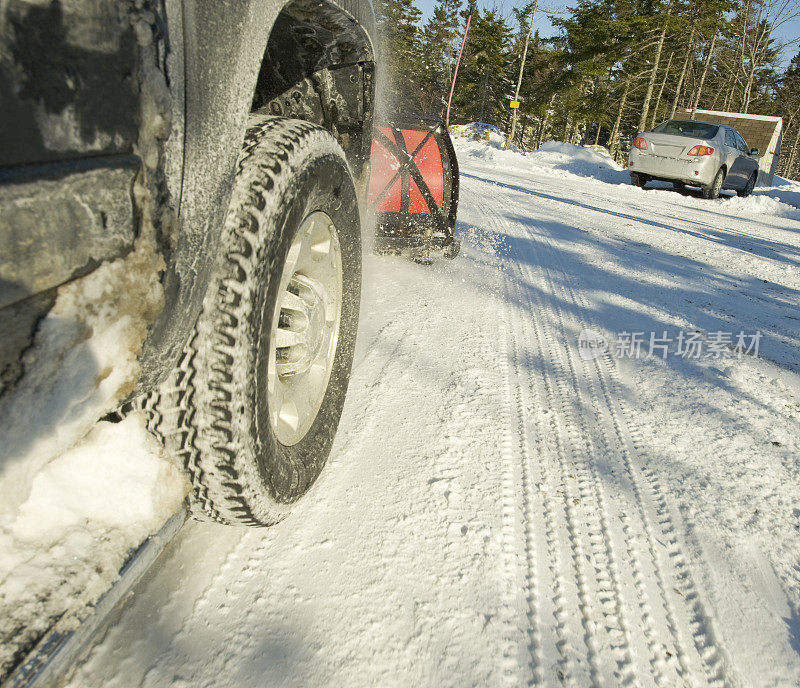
(439, 47)
(612, 65)
(484, 81)
(602, 40)
(400, 55)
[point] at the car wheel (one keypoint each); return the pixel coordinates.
(638, 179)
(255, 402)
(751, 184)
(712, 190)
(679, 186)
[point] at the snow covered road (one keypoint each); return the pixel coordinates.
(502, 510)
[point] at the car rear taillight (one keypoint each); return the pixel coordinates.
(640, 143)
(701, 150)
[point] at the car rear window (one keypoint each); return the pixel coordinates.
(695, 130)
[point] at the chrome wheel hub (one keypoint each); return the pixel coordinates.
(305, 328)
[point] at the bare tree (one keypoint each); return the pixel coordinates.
(613, 141)
(661, 91)
(649, 93)
(689, 53)
(759, 24)
(703, 74)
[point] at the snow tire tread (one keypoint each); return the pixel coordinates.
(191, 413)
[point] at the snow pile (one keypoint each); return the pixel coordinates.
(764, 202)
(786, 192)
(485, 141)
(479, 131)
(86, 510)
(75, 496)
(566, 160)
(580, 161)
(115, 478)
(82, 364)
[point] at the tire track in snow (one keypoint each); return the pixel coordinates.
(713, 658)
(217, 581)
(516, 503)
(610, 447)
(588, 528)
(607, 457)
(509, 661)
(538, 546)
(238, 594)
(657, 654)
(586, 522)
(568, 595)
(703, 634)
(519, 501)
(618, 444)
(716, 664)
(519, 631)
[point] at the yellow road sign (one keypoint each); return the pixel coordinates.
(514, 104)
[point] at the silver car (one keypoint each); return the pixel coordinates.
(693, 153)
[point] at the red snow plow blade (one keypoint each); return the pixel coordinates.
(413, 191)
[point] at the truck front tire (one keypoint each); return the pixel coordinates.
(254, 405)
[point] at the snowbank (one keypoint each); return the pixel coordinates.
(83, 362)
(787, 193)
(487, 143)
(763, 202)
(76, 495)
(116, 478)
(86, 510)
(479, 131)
(580, 161)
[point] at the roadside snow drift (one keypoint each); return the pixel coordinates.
(75, 496)
(559, 159)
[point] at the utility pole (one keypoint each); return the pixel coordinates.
(519, 80)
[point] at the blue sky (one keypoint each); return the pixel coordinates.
(506, 9)
(788, 32)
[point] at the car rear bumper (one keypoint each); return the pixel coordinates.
(699, 171)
